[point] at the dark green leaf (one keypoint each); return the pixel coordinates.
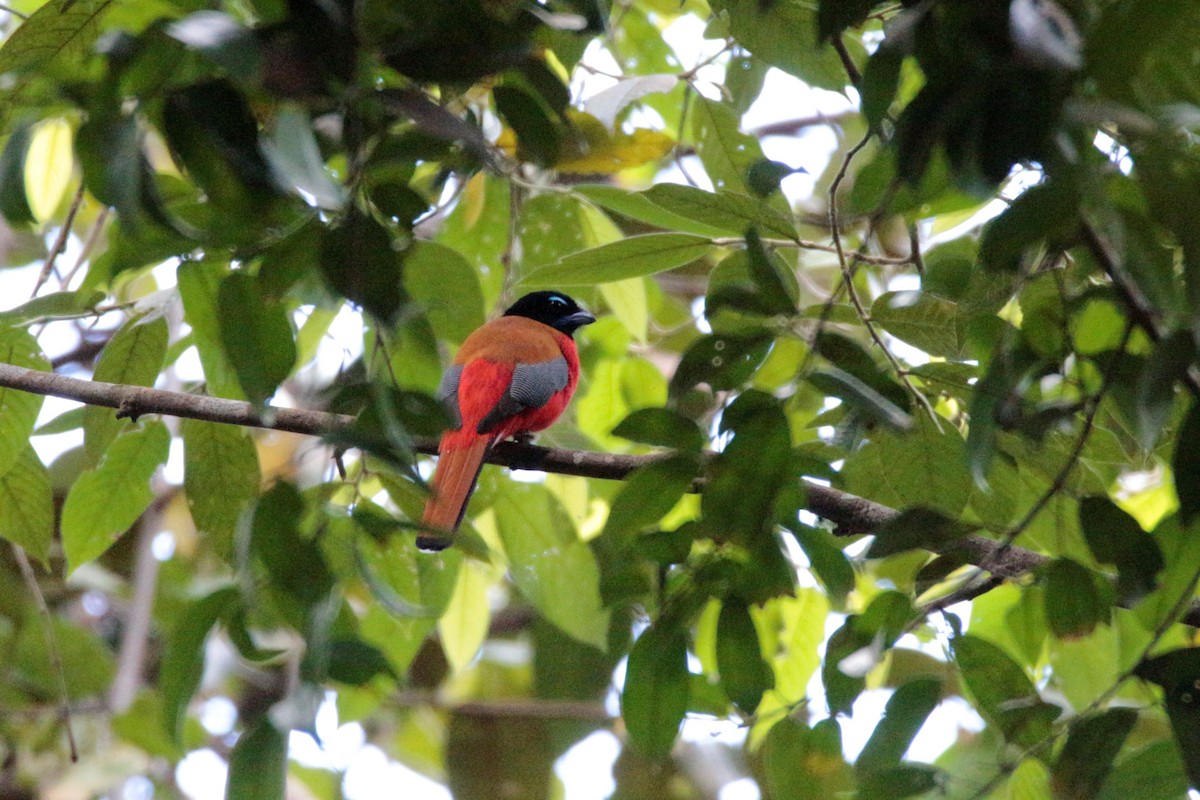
(539, 131)
(881, 79)
(294, 562)
(935, 477)
(1178, 673)
(907, 709)
(257, 336)
(1045, 211)
(662, 427)
(110, 152)
(723, 361)
(745, 676)
(899, 781)
(1073, 603)
(828, 560)
(183, 659)
(1186, 465)
(861, 397)
(360, 263)
(635, 205)
(258, 764)
(804, 764)
(1116, 538)
(763, 177)
(784, 34)
(1003, 692)
(930, 323)
(1156, 393)
(59, 29)
(14, 206)
(1087, 757)
(655, 697)
(356, 663)
(296, 158)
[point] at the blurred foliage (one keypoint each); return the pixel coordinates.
(979, 305)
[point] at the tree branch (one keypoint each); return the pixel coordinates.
(852, 515)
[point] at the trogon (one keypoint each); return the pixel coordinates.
(512, 376)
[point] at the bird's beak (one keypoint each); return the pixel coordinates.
(577, 320)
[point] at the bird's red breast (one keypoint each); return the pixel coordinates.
(513, 375)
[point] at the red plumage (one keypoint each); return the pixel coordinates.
(489, 358)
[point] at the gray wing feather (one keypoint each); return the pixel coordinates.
(447, 392)
(532, 387)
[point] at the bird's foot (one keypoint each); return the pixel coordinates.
(525, 437)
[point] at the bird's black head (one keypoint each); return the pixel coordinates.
(552, 308)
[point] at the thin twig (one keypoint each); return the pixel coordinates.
(60, 242)
(56, 664)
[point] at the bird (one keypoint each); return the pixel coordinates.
(511, 377)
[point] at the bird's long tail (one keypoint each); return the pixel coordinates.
(453, 481)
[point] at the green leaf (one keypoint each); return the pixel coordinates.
(1048, 210)
(220, 476)
(637, 206)
(881, 79)
(256, 334)
(293, 152)
(55, 305)
(83, 662)
(360, 263)
(1073, 603)
(726, 153)
(295, 563)
(727, 211)
(18, 410)
(745, 676)
(1186, 465)
(861, 397)
(258, 764)
(926, 322)
(828, 560)
(850, 356)
(915, 528)
(446, 287)
(634, 257)
(554, 570)
(1087, 757)
(1153, 772)
(662, 427)
(14, 206)
(65, 28)
(1156, 394)
(934, 476)
(723, 361)
(907, 709)
(649, 493)
(655, 696)
(804, 764)
(1114, 537)
(899, 781)
(199, 283)
(785, 35)
(134, 356)
(27, 505)
(107, 500)
(356, 662)
(539, 130)
(1003, 692)
(110, 152)
(183, 658)
(1178, 673)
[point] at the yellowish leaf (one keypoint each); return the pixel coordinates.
(464, 626)
(49, 167)
(620, 152)
(627, 300)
